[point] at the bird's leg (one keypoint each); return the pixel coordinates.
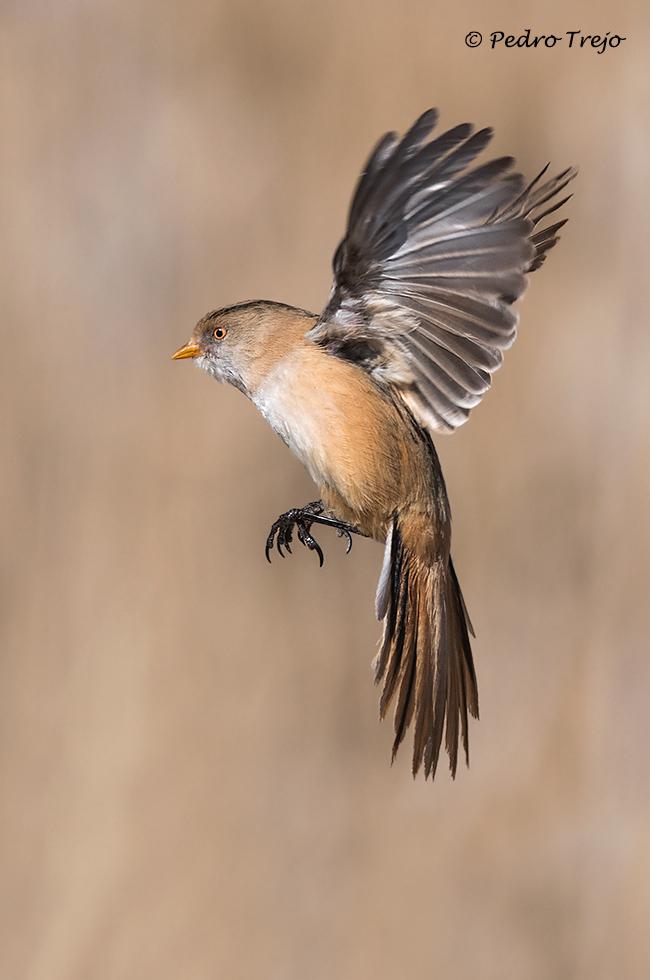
(301, 519)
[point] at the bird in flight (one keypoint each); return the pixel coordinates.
(436, 251)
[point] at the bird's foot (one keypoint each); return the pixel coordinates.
(301, 519)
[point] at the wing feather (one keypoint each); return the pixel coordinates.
(433, 257)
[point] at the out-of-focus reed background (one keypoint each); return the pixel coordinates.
(193, 780)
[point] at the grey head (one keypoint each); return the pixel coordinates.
(234, 343)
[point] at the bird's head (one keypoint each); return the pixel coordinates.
(221, 344)
(238, 343)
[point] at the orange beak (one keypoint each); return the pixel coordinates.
(189, 350)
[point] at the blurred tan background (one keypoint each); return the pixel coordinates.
(193, 781)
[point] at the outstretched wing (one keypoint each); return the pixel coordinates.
(433, 257)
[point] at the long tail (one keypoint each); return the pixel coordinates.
(425, 660)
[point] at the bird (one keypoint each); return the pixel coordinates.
(436, 251)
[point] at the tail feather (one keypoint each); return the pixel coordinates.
(466, 674)
(425, 718)
(404, 647)
(439, 662)
(425, 660)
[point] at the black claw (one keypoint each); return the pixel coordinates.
(313, 545)
(344, 533)
(281, 538)
(269, 544)
(301, 521)
(287, 537)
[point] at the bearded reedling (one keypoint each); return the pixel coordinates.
(419, 315)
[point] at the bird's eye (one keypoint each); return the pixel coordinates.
(219, 333)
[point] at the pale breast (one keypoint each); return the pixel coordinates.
(334, 420)
(302, 412)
